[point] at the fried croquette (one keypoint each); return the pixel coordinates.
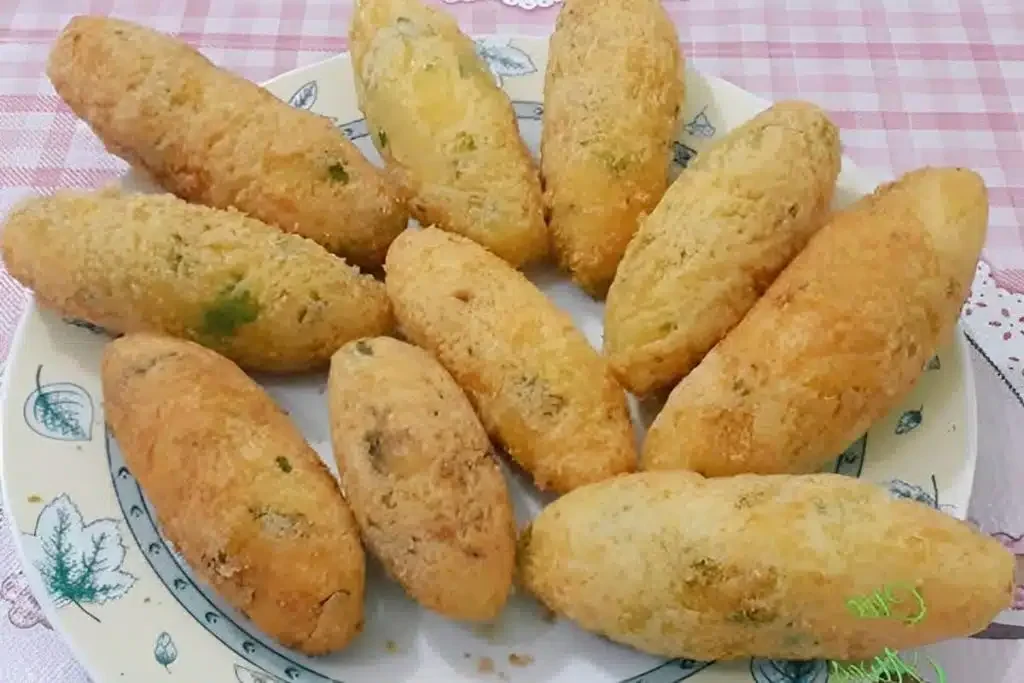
(237, 490)
(540, 389)
(761, 566)
(839, 338)
(612, 96)
(446, 131)
(215, 138)
(724, 230)
(421, 477)
(131, 263)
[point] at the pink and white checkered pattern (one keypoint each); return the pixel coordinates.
(911, 82)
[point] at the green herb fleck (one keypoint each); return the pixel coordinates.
(283, 463)
(337, 172)
(615, 164)
(464, 142)
(232, 309)
(363, 347)
(35, 499)
(382, 138)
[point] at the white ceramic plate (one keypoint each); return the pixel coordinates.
(130, 607)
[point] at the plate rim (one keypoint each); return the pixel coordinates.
(85, 656)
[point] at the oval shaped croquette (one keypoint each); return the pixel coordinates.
(420, 474)
(540, 389)
(236, 488)
(839, 338)
(215, 138)
(761, 566)
(131, 263)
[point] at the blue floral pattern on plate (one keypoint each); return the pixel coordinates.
(60, 410)
(79, 563)
(165, 652)
(785, 671)
(504, 59)
(910, 420)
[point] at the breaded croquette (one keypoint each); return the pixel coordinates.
(542, 391)
(421, 477)
(215, 138)
(760, 566)
(612, 96)
(244, 499)
(131, 262)
(838, 339)
(724, 230)
(446, 131)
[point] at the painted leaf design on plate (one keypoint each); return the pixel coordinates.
(933, 364)
(504, 59)
(80, 564)
(701, 125)
(786, 671)
(305, 97)
(909, 421)
(60, 410)
(682, 155)
(672, 671)
(25, 610)
(851, 461)
(907, 491)
(164, 651)
(246, 675)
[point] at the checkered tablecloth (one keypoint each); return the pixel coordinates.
(911, 82)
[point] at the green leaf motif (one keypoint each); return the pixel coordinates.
(785, 671)
(60, 410)
(164, 651)
(504, 59)
(909, 421)
(80, 564)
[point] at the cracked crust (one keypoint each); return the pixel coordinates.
(540, 389)
(760, 566)
(418, 469)
(215, 138)
(612, 95)
(838, 339)
(721, 234)
(237, 490)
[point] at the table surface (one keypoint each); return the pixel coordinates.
(910, 82)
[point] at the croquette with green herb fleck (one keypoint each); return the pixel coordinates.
(236, 488)
(214, 138)
(422, 478)
(768, 566)
(129, 263)
(542, 391)
(720, 235)
(612, 94)
(446, 131)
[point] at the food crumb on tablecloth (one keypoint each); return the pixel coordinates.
(485, 665)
